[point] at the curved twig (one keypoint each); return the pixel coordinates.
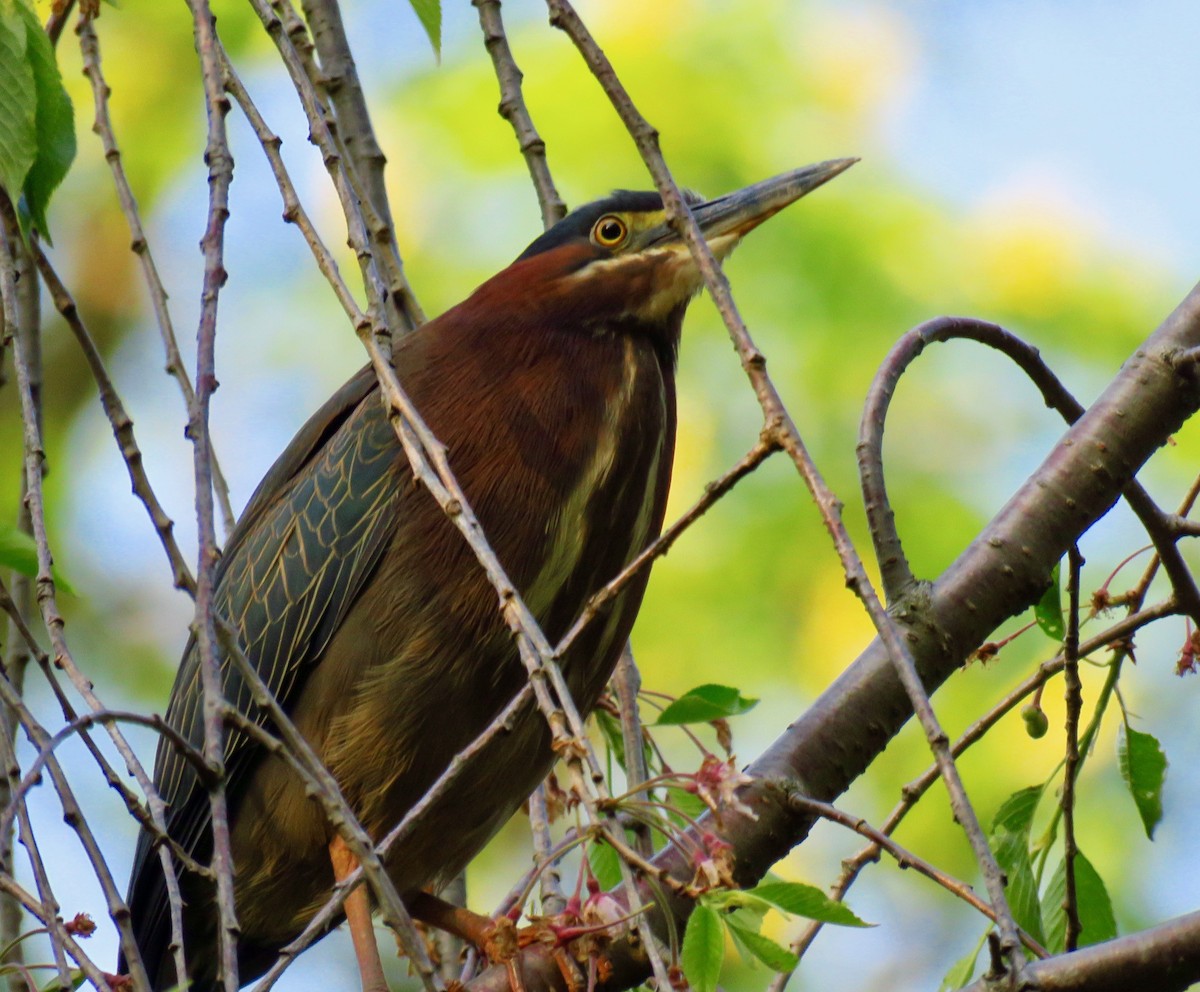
(895, 573)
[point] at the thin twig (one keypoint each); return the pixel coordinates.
(912, 792)
(906, 859)
(778, 421)
(27, 311)
(766, 446)
(1185, 507)
(220, 175)
(512, 108)
(627, 683)
(122, 425)
(1074, 701)
(364, 159)
(89, 45)
(550, 894)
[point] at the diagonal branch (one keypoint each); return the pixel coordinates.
(365, 159)
(778, 422)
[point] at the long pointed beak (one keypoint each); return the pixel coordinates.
(739, 212)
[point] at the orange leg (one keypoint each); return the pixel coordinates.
(472, 927)
(358, 915)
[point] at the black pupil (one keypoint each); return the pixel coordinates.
(610, 230)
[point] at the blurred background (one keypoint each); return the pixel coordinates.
(1030, 164)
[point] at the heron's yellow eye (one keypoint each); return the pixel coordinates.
(609, 231)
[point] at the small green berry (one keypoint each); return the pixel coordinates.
(1036, 721)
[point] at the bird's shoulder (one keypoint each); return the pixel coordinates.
(308, 442)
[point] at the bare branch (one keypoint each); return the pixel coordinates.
(220, 175)
(512, 108)
(779, 422)
(365, 160)
(906, 859)
(1074, 695)
(89, 45)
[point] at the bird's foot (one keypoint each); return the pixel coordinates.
(577, 935)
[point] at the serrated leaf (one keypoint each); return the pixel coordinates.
(703, 950)
(429, 13)
(1016, 812)
(1144, 768)
(705, 703)
(963, 969)
(19, 552)
(808, 901)
(771, 954)
(1096, 919)
(54, 123)
(1048, 611)
(1012, 854)
(18, 102)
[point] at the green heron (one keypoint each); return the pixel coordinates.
(363, 609)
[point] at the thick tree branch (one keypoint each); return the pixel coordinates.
(1165, 958)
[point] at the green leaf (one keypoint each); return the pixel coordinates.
(1016, 812)
(1144, 768)
(738, 907)
(765, 949)
(703, 950)
(1095, 908)
(429, 13)
(611, 729)
(77, 979)
(18, 552)
(614, 737)
(18, 101)
(807, 901)
(963, 969)
(705, 703)
(688, 803)
(605, 864)
(55, 123)
(1012, 854)
(1010, 842)
(1048, 611)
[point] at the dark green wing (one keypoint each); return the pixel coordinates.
(307, 542)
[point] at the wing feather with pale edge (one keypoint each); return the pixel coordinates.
(309, 539)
